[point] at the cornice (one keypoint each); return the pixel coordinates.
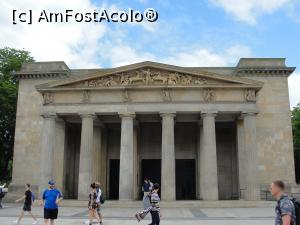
(285, 72)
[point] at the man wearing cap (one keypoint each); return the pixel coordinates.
(50, 200)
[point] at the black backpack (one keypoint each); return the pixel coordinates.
(102, 199)
(297, 209)
(1, 193)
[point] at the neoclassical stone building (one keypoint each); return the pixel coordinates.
(202, 132)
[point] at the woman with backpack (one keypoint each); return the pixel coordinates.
(28, 198)
(93, 205)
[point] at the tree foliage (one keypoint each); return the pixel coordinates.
(296, 138)
(10, 60)
(296, 127)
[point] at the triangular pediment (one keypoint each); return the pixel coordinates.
(149, 74)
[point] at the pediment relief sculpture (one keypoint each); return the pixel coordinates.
(145, 77)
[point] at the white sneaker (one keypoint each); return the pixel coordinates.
(16, 222)
(86, 222)
(35, 222)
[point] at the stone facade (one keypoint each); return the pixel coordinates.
(207, 133)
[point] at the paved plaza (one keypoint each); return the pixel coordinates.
(176, 215)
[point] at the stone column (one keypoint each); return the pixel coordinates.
(59, 153)
(198, 180)
(47, 151)
(208, 159)
(242, 160)
(136, 164)
(168, 188)
(250, 145)
(126, 184)
(86, 156)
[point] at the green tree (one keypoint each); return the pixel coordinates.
(296, 138)
(10, 61)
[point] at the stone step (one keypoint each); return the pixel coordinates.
(177, 204)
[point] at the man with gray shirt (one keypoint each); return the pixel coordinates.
(285, 209)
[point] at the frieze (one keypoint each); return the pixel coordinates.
(146, 77)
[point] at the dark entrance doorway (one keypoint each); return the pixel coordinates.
(71, 164)
(185, 179)
(151, 168)
(114, 174)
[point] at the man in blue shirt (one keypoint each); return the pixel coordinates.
(50, 200)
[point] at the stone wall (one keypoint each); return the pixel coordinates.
(274, 132)
(29, 124)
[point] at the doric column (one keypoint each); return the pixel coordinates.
(47, 150)
(242, 160)
(198, 169)
(168, 187)
(59, 153)
(208, 159)
(86, 156)
(250, 145)
(126, 184)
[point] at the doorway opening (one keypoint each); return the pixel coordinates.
(151, 168)
(185, 179)
(114, 174)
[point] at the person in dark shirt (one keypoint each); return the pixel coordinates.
(146, 191)
(28, 201)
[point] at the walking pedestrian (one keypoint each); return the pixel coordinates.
(93, 205)
(146, 191)
(285, 209)
(154, 209)
(50, 201)
(28, 203)
(99, 201)
(3, 191)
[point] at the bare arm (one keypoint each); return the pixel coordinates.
(21, 199)
(286, 220)
(42, 202)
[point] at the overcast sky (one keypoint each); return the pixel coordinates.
(187, 33)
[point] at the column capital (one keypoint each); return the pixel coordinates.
(168, 114)
(49, 115)
(209, 113)
(248, 113)
(127, 115)
(87, 115)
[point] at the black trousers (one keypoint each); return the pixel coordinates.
(155, 218)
